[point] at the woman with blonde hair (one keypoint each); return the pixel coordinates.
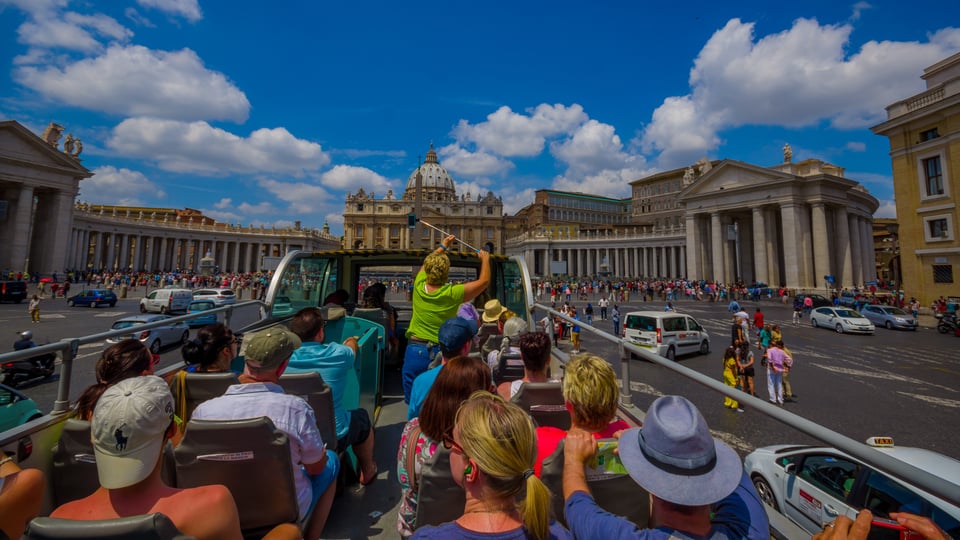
(434, 301)
(492, 450)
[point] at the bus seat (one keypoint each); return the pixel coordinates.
(440, 498)
(545, 403)
(148, 526)
(377, 316)
(74, 465)
(489, 332)
(201, 387)
(311, 387)
(252, 458)
(609, 482)
(509, 368)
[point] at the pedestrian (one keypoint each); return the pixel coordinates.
(788, 394)
(730, 376)
(33, 308)
(747, 370)
(602, 303)
(588, 313)
(615, 315)
(758, 321)
(575, 332)
(777, 359)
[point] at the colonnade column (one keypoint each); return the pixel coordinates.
(844, 258)
(759, 246)
(693, 240)
(869, 256)
(683, 262)
(716, 233)
(853, 227)
(821, 243)
(20, 243)
(791, 248)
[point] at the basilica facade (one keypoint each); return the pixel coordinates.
(371, 222)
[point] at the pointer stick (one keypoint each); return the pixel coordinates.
(445, 233)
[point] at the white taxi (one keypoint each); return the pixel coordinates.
(812, 485)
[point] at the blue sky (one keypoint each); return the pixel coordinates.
(269, 113)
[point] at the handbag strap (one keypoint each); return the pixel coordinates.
(412, 456)
(181, 406)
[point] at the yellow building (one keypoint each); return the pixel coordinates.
(924, 133)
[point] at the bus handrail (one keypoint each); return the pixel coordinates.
(68, 347)
(903, 471)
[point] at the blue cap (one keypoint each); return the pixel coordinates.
(454, 334)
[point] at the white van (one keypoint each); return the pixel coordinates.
(167, 301)
(668, 334)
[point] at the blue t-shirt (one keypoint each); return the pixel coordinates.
(421, 387)
(454, 530)
(333, 361)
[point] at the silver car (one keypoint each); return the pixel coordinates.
(221, 296)
(889, 317)
(841, 319)
(154, 338)
(812, 485)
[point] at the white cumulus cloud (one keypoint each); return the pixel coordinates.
(608, 182)
(137, 81)
(124, 187)
(198, 147)
(188, 9)
(510, 134)
(459, 160)
(351, 178)
(797, 77)
(593, 146)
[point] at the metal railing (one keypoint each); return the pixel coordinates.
(904, 472)
(67, 348)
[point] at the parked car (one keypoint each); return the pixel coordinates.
(812, 485)
(199, 306)
(850, 298)
(220, 296)
(154, 338)
(818, 300)
(841, 319)
(16, 408)
(761, 289)
(668, 334)
(13, 291)
(166, 301)
(93, 298)
(889, 317)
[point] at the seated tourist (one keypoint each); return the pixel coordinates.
(123, 360)
(456, 338)
(535, 353)
(131, 423)
(512, 330)
(696, 483)
(21, 496)
(591, 392)
(211, 351)
(461, 377)
(492, 448)
(334, 362)
(315, 468)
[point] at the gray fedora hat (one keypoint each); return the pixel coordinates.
(674, 457)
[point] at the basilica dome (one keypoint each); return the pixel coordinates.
(435, 180)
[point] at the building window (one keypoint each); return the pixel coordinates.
(359, 232)
(938, 228)
(489, 233)
(933, 176)
(929, 134)
(489, 210)
(943, 273)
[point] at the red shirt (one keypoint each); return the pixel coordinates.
(549, 437)
(758, 320)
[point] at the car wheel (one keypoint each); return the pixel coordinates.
(34, 417)
(155, 347)
(705, 347)
(671, 354)
(813, 322)
(888, 325)
(185, 337)
(70, 303)
(163, 309)
(143, 308)
(765, 492)
(113, 304)
(93, 304)
(839, 328)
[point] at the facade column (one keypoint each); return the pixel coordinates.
(235, 264)
(683, 262)
(162, 259)
(821, 244)
(149, 245)
(123, 257)
(22, 229)
(844, 257)
(716, 232)
(869, 255)
(759, 230)
(97, 250)
(791, 244)
(111, 251)
(856, 253)
(693, 240)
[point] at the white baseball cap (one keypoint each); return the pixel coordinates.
(128, 428)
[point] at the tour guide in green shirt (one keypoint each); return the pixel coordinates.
(434, 301)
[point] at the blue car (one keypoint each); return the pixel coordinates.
(93, 298)
(199, 306)
(16, 408)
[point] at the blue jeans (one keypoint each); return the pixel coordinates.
(416, 360)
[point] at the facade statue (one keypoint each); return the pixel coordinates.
(390, 194)
(703, 165)
(52, 134)
(68, 144)
(79, 148)
(787, 153)
(688, 175)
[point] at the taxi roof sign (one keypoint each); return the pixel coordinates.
(880, 442)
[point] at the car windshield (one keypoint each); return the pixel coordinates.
(119, 325)
(849, 313)
(895, 311)
(201, 306)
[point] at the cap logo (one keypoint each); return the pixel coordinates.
(121, 440)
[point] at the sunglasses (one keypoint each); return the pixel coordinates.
(451, 444)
